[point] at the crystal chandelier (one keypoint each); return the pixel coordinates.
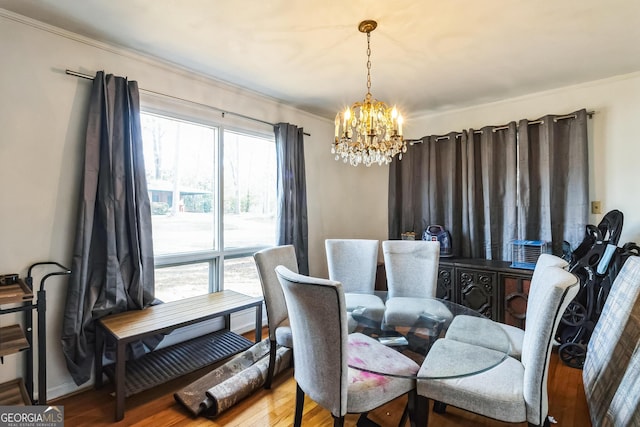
(369, 131)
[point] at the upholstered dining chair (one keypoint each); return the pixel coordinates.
(515, 390)
(353, 262)
(277, 318)
(318, 316)
(412, 278)
(611, 372)
(473, 330)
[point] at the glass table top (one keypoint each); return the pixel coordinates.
(445, 339)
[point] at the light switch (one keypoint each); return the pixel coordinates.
(596, 207)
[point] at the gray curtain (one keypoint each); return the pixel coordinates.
(292, 228)
(425, 188)
(488, 187)
(453, 181)
(554, 187)
(112, 266)
(492, 203)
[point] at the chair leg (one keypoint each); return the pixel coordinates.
(272, 363)
(439, 407)
(546, 423)
(409, 409)
(418, 409)
(363, 421)
(338, 421)
(405, 415)
(297, 421)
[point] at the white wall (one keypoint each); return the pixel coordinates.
(42, 122)
(614, 149)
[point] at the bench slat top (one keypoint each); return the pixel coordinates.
(171, 315)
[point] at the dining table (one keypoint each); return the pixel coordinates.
(415, 326)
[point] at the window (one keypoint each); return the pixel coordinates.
(213, 204)
(249, 191)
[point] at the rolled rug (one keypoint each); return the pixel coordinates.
(194, 397)
(230, 391)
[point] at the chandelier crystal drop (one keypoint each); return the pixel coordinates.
(369, 131)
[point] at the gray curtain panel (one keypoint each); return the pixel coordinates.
(425, 188)
(113, 253)
(453, 181)
(292, 227)
(405, 185)
(553, 185)
(488, 187)
(491, 206)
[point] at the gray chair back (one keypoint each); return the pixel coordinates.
(317, 315)
(266, 261)
(544, 261)
(353, 263)
(556, 288)
(411, 267)
(611, 372)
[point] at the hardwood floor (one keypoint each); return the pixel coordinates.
(157, 407)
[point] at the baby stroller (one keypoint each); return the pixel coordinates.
(596, 262)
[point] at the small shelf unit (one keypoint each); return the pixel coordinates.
(18, 297)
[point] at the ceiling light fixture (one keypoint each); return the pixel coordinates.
(369, 131)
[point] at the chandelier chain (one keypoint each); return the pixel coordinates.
(369, 63)
(369, 131)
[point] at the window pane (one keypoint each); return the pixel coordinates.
(184, 172)
(183, 281)
(180, 162)
(249, 191)
(241, 275)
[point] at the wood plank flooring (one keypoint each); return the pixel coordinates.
(157, 407)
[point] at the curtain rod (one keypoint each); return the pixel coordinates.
(211, 107)
(533, 122)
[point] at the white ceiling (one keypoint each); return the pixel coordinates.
(426, 55)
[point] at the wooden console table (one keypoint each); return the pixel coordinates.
(493, 288)
(150, 370)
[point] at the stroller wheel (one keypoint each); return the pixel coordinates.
(575, 314)
(573, 354)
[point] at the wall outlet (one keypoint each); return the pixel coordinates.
(596, 207)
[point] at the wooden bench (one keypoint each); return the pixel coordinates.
(170, 362)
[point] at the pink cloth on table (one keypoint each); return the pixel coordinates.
(367, 353)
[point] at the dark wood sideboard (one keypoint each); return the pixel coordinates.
(490, 287)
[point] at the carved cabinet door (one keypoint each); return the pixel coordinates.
(479, 290)
(445, 283)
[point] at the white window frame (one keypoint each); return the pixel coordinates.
(214, 257)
